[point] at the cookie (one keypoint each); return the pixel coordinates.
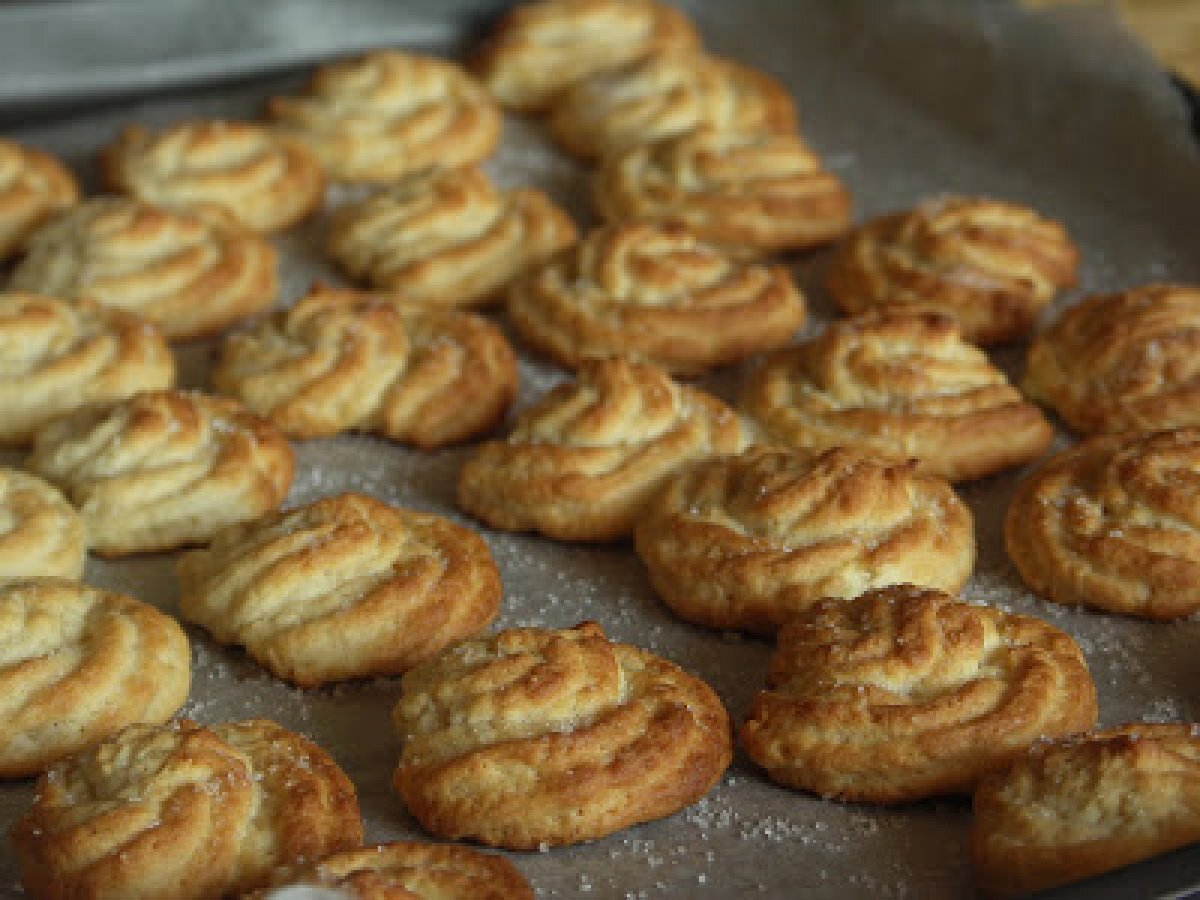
(581, 464)
(78, 664)
(40, 532)
(183, 812)
(266, 182)
(386, 114)
(1072, 809)
(543, 738)
(905, 693)
(658, 294)
(991, 266)
(189, 272)
(751, 192)
(340, 360)
(33, 187)
(903, 384)
(745, 542)
(164, 469)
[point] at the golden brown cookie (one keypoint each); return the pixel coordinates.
(183, 812)
(1122, 361)
(537, 737)
(264, 180)
(340, 360)
(991, 266)
(191, 273)
(655, 293)
(1075, 808)
(453, 240)
(582, 463)
(33, 186)
(387, 114)
(40, 532)
(56, 356)
(78, 664)
(346, 587)
(906, 693)
(749, 191)
(903, 384)
(668, 93)
(748, 541)
(164, 469)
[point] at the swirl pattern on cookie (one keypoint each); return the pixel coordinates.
(33, 187)
(40, 532)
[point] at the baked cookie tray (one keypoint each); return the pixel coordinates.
(904, 101)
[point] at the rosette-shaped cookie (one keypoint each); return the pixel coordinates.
(33, 186)
(903, 384)
(1114, 523)
(667, 94)
(751, 191)
(537, 737)
(992, 266)
(452, 240)
(183, 812)
(582, 463)
(656, 293)
(40, 532)
(387, 114)
(340, 360)
(78, 664)
(346, 587)
(189, 272)
(164, 468)
(538, 49)
(905, 693)
(263, 180)
(1075, 808)
(1122, 361)
(56, 356)
(748, 541)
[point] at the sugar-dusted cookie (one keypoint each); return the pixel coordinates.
(387, 114)
(1075, 808)
(341, 359)
(536, 737)
(183, 812)
(582, 463)
(750, 191)
(992, 266)
(58, 355)
(904, 693)
(903, 384)
(1122, 361)
(40, 532)
(164, 468)
(748, 541)
(77, 664)
(33, 186)
(668, 93)
(262, 179)
(451, 240)
(189, 272)
(657, 293)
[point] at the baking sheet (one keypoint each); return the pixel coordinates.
(904, 101)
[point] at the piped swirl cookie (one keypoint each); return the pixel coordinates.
(340, 360)
(386, 115)
(582, 463)
(992, 266)
(906, 693)
(655, 293)
(903, 384)
(164, 468)
(77, 664)
(537, 737)
(748, 541)
(40, 532)
(33, 187)
(452, 240)
(189, 272)
(184, 812)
